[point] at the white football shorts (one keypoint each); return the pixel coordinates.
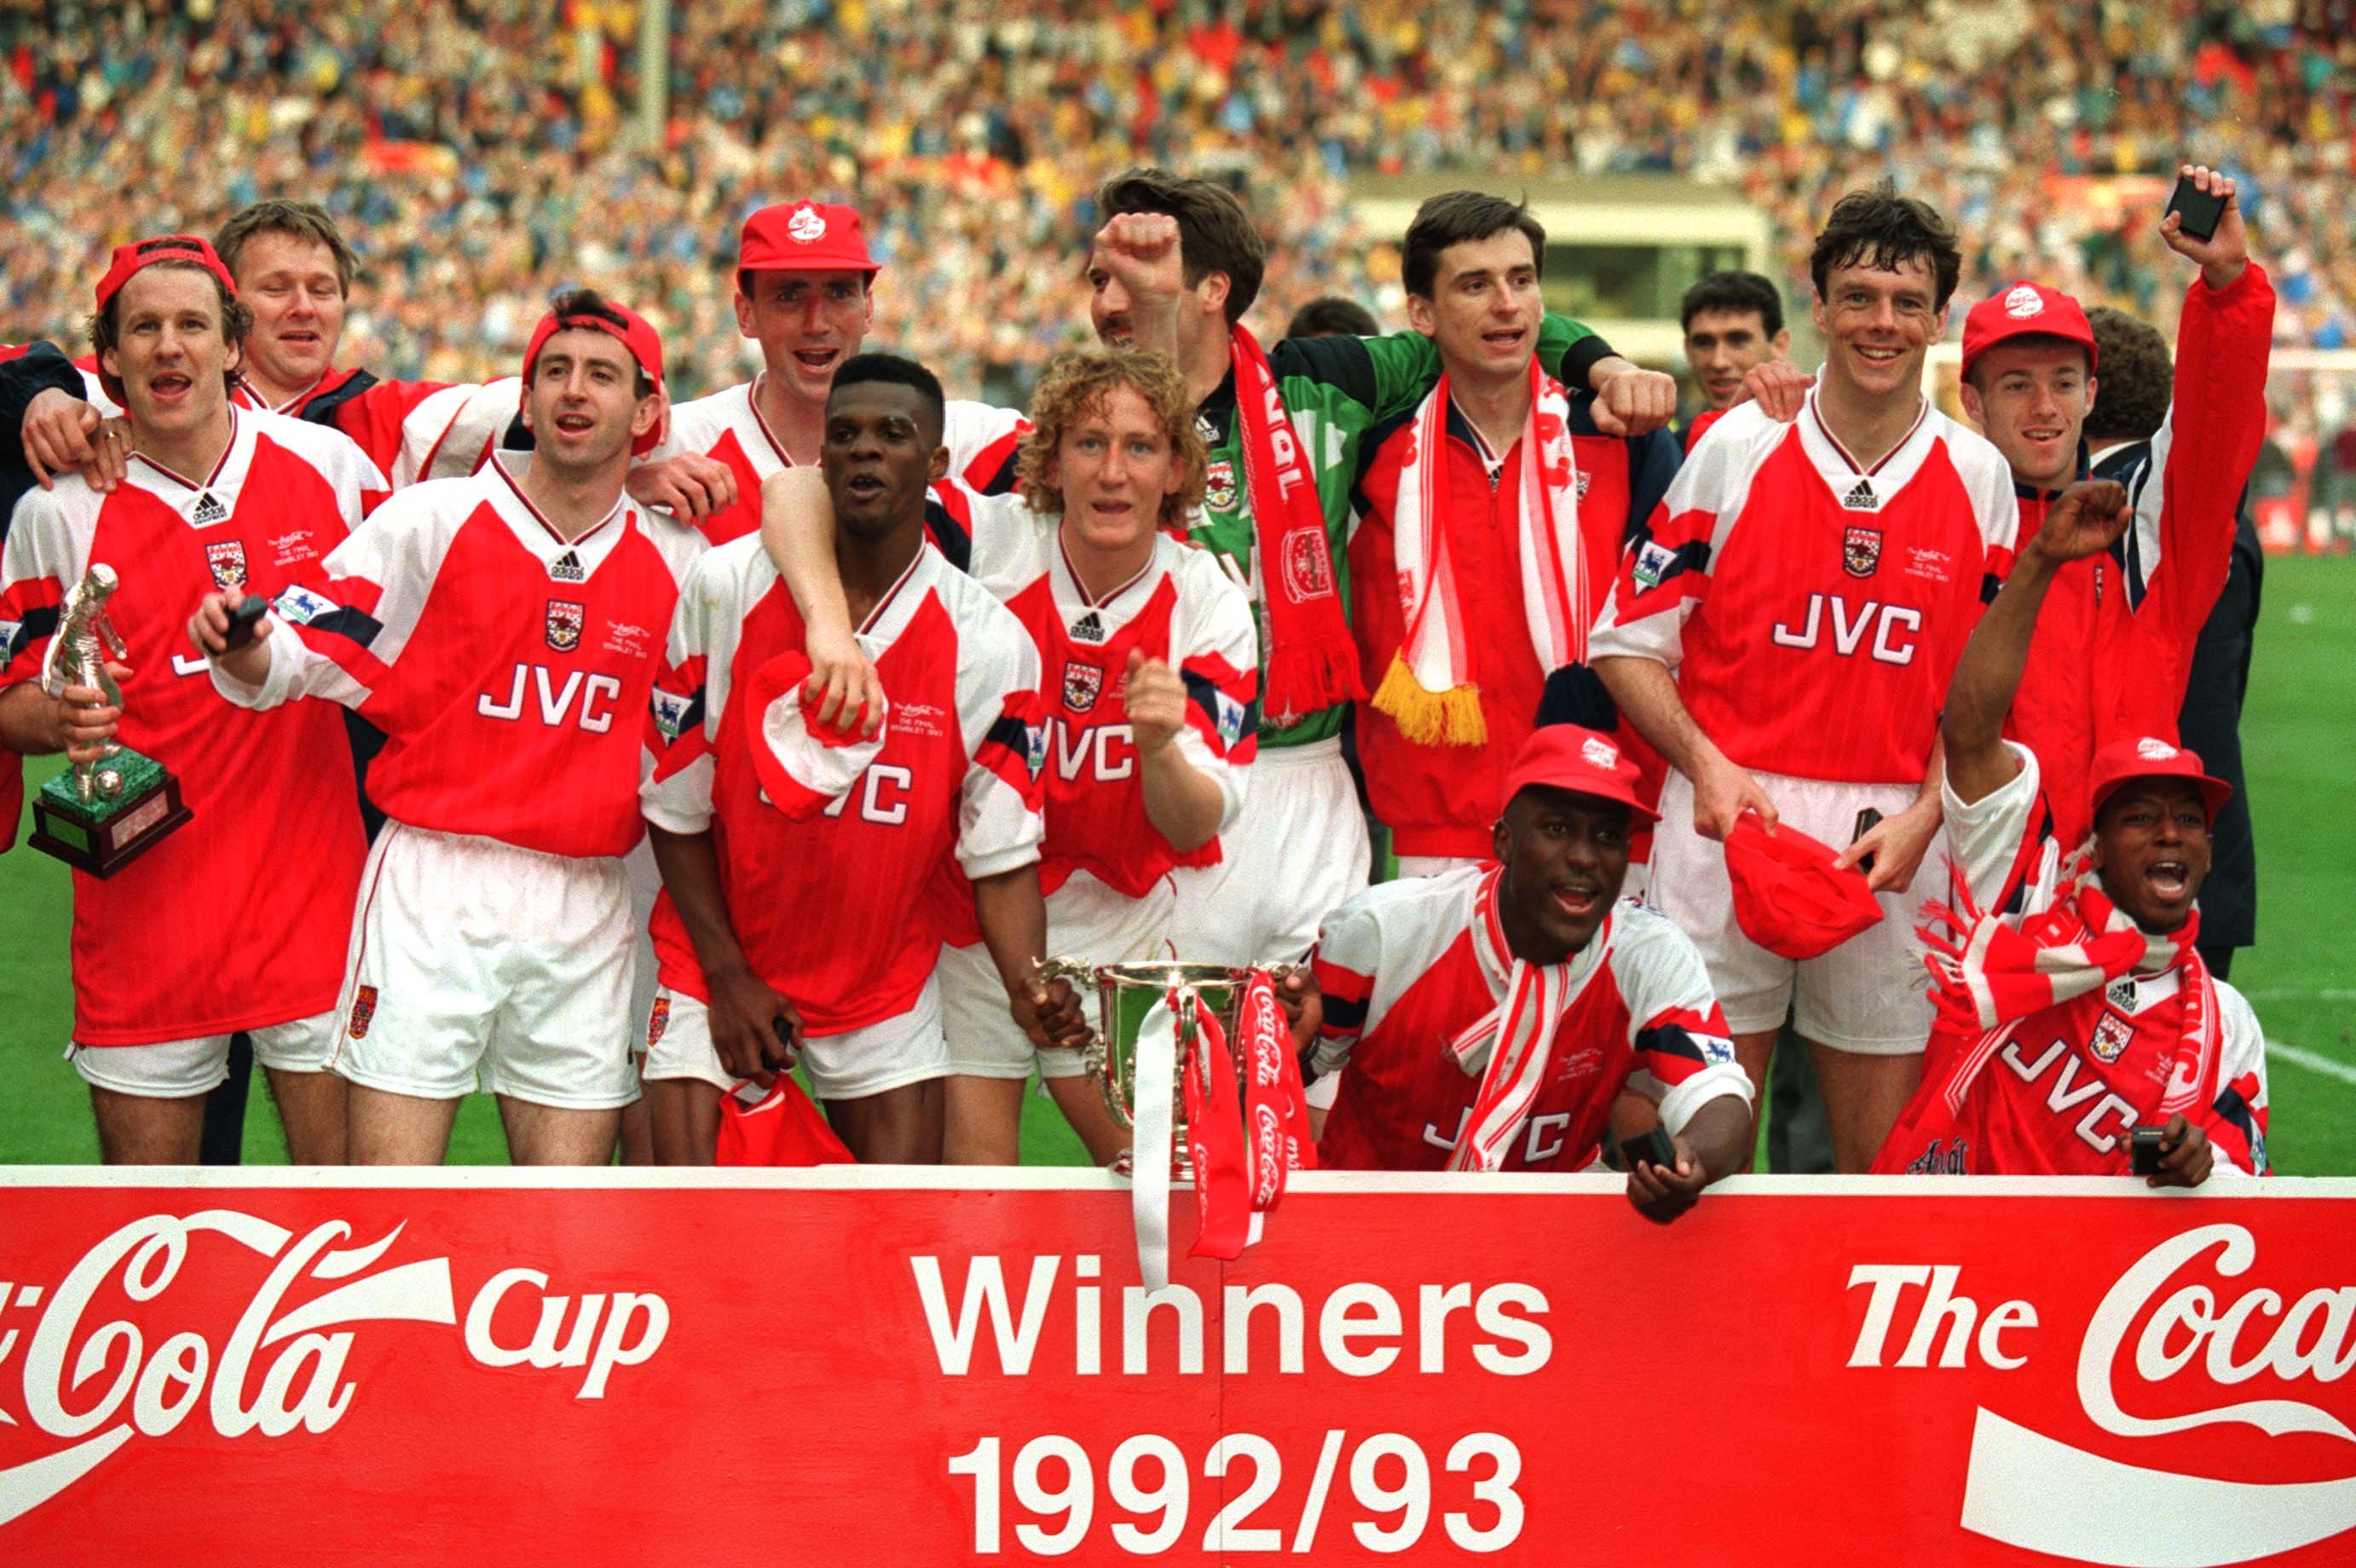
(175, 1070)
(1297, 852)
(1870, 995)
(475, 960)
(899, 1051)
(1086, 922)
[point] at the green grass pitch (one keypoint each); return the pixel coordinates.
(2298, 732)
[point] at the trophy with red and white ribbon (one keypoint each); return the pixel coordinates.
(1232, 1122)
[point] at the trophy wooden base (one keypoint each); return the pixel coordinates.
(103, 836)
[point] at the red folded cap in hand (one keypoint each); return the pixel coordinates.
(1788, 896)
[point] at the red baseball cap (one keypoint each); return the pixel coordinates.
(1582, 761)
(632, 332)
(142, 253)
(803, 766)
(2148, 756)
(2026, 310)
(1788, 898)
(804, 237)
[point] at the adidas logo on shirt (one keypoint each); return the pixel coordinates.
(1088, 628)
(566, 568)
(209, 510)
(1861, 498)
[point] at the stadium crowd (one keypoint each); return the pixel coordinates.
(477, 149)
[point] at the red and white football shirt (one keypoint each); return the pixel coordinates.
(1180, 609)
(508, 668)
(2056, 1092)
(1402, 974)
(728, 426)
(410, 430)
(833, 909)
(238, 918)
(1813, 608)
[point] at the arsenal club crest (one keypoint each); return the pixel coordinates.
(1219, 486)
(563, 626)
(1082, 683)
(363, 1009)
(1308, 573)
(226, 558)
(657, 1021)
(1861, 551)
(2111, 1038)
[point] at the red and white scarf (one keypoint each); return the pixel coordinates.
(1988, 972)
(1312, 660)
(1428, 688)
(1515, 1041)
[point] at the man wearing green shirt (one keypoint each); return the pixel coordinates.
(1175, 268)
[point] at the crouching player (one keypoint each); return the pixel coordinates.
(503, 630)
(780, 906)
(1149, 697)
(2088, 1012)
(1490, 1016)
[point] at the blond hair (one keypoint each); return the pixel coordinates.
(1079, 382)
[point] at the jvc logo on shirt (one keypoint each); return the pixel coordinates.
(1887, 624)
(596, 694)
(883, 791)
(1107, 754)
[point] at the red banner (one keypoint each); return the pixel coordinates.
(848, 1366)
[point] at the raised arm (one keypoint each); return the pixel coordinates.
(797, 531)
(2087, 520)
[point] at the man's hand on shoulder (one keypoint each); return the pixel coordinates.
(1780, 388)
(690, 486)
(61, 433)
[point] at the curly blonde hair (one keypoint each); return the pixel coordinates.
(1078, 383)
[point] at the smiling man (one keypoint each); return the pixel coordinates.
(503, 630)
(1732, 322)
(2086, 1011)
(806, 295)
(2114, 645)
(1490, 1017)
(1491, 517)
(238, 923)
(1782, 631)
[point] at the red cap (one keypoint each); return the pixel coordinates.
(804, 237)
(634, 334)
(142, 253)
(2026, 310)
(2148, 756)
(1787, 896)
(803, 766)
(1584, 762)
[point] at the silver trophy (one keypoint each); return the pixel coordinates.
(117, 805)
(1126, 993)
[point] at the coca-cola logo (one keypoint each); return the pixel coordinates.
(96, 1386)
(2169, 1329)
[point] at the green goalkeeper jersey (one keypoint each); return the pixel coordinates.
(1336, 388)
